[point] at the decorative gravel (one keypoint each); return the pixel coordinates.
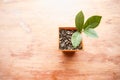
(65, 40)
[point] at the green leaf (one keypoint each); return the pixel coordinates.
(91, 33)
(92, 22)
(79, 21)
(76, 39)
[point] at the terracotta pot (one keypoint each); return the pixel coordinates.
(69, 51)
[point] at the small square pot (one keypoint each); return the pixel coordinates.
(80, 47)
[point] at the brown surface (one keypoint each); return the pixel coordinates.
(29, 41)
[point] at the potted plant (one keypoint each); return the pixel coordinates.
(70, 38)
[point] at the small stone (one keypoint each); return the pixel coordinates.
(69, 48)
(66, 40)
(69, 39)
(60, 39)
(62, 44)
(68, 32)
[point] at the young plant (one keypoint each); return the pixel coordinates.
(87, 27)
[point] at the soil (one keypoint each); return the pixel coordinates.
(65, 40)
